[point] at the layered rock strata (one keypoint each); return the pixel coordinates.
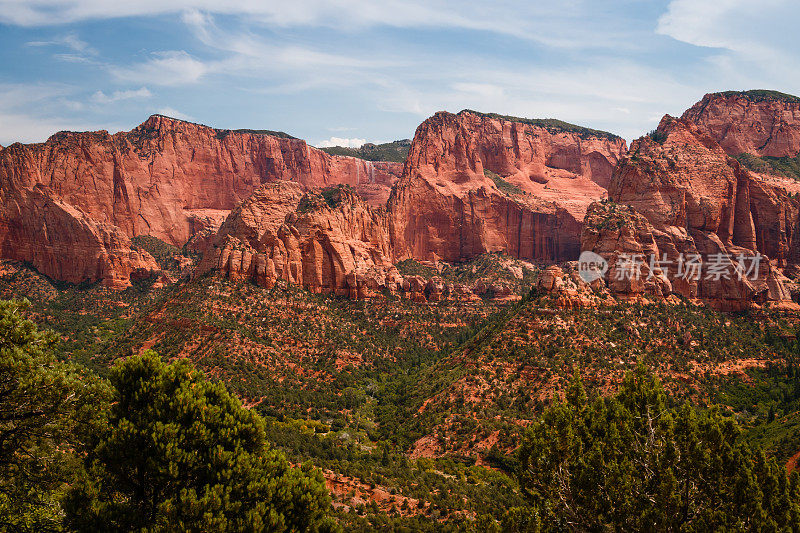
(763, 123)
(166, 178)
(476, 183)
(678, 197)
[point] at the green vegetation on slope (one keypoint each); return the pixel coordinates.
(768, 400)
(761, 95)
(395, 151)
(632, 462)
(499, 379)
(179, 453)
(46, 408)
(162, 252)
(503, 185)
(158, 448)
(784, 166)
(493, 267)
(221, 134)
(552, 125)
(404, 404)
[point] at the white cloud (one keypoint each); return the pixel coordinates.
(69, 40)
(733, 24)
(102, 98)
(250, 50)
(171, 68)
(173, 113)
(755, 42)
(33, 112)
(76, 58)
(538, 21)
(340, 141)
(761, 31)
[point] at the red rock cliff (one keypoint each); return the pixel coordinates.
(763, 123)
(328, 242)
(474, 183)
(680, 194)
(166, 178)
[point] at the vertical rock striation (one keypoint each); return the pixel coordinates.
(475, 183)
(330, 242)
(166, 178)
(681, 195)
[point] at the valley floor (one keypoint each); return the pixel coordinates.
(414, 411)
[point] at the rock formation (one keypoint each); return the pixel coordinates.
(567, 290)
(329, 242)
(475, 183)
(64, 243)
(472, 183)
(682, 197)
(166, 178)
(763, 123)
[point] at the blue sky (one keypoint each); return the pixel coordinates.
(373, 70)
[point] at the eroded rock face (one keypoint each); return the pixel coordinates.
(475, 183)
(564, 285)
(329, 242)
(66, 244)
(763, 123)
(166, 178)
(682, 196)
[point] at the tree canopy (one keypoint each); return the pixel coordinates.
(630, 462)
(45, 408)
(179, 453)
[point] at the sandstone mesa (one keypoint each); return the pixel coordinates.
(261, 206)
(166, 178)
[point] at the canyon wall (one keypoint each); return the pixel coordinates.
(475, 183)
(166, 178)
(763, 123)
(472, 183)
(677, 195)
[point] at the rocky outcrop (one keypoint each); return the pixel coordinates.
(375, 180)
(763, 123)
(166, 178)
(330, 242)
(682, 197)
(475, 183)
(64, 243)
(567, 290)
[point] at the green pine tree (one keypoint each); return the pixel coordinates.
(629, 462)
(45, 408)
(180, 453)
